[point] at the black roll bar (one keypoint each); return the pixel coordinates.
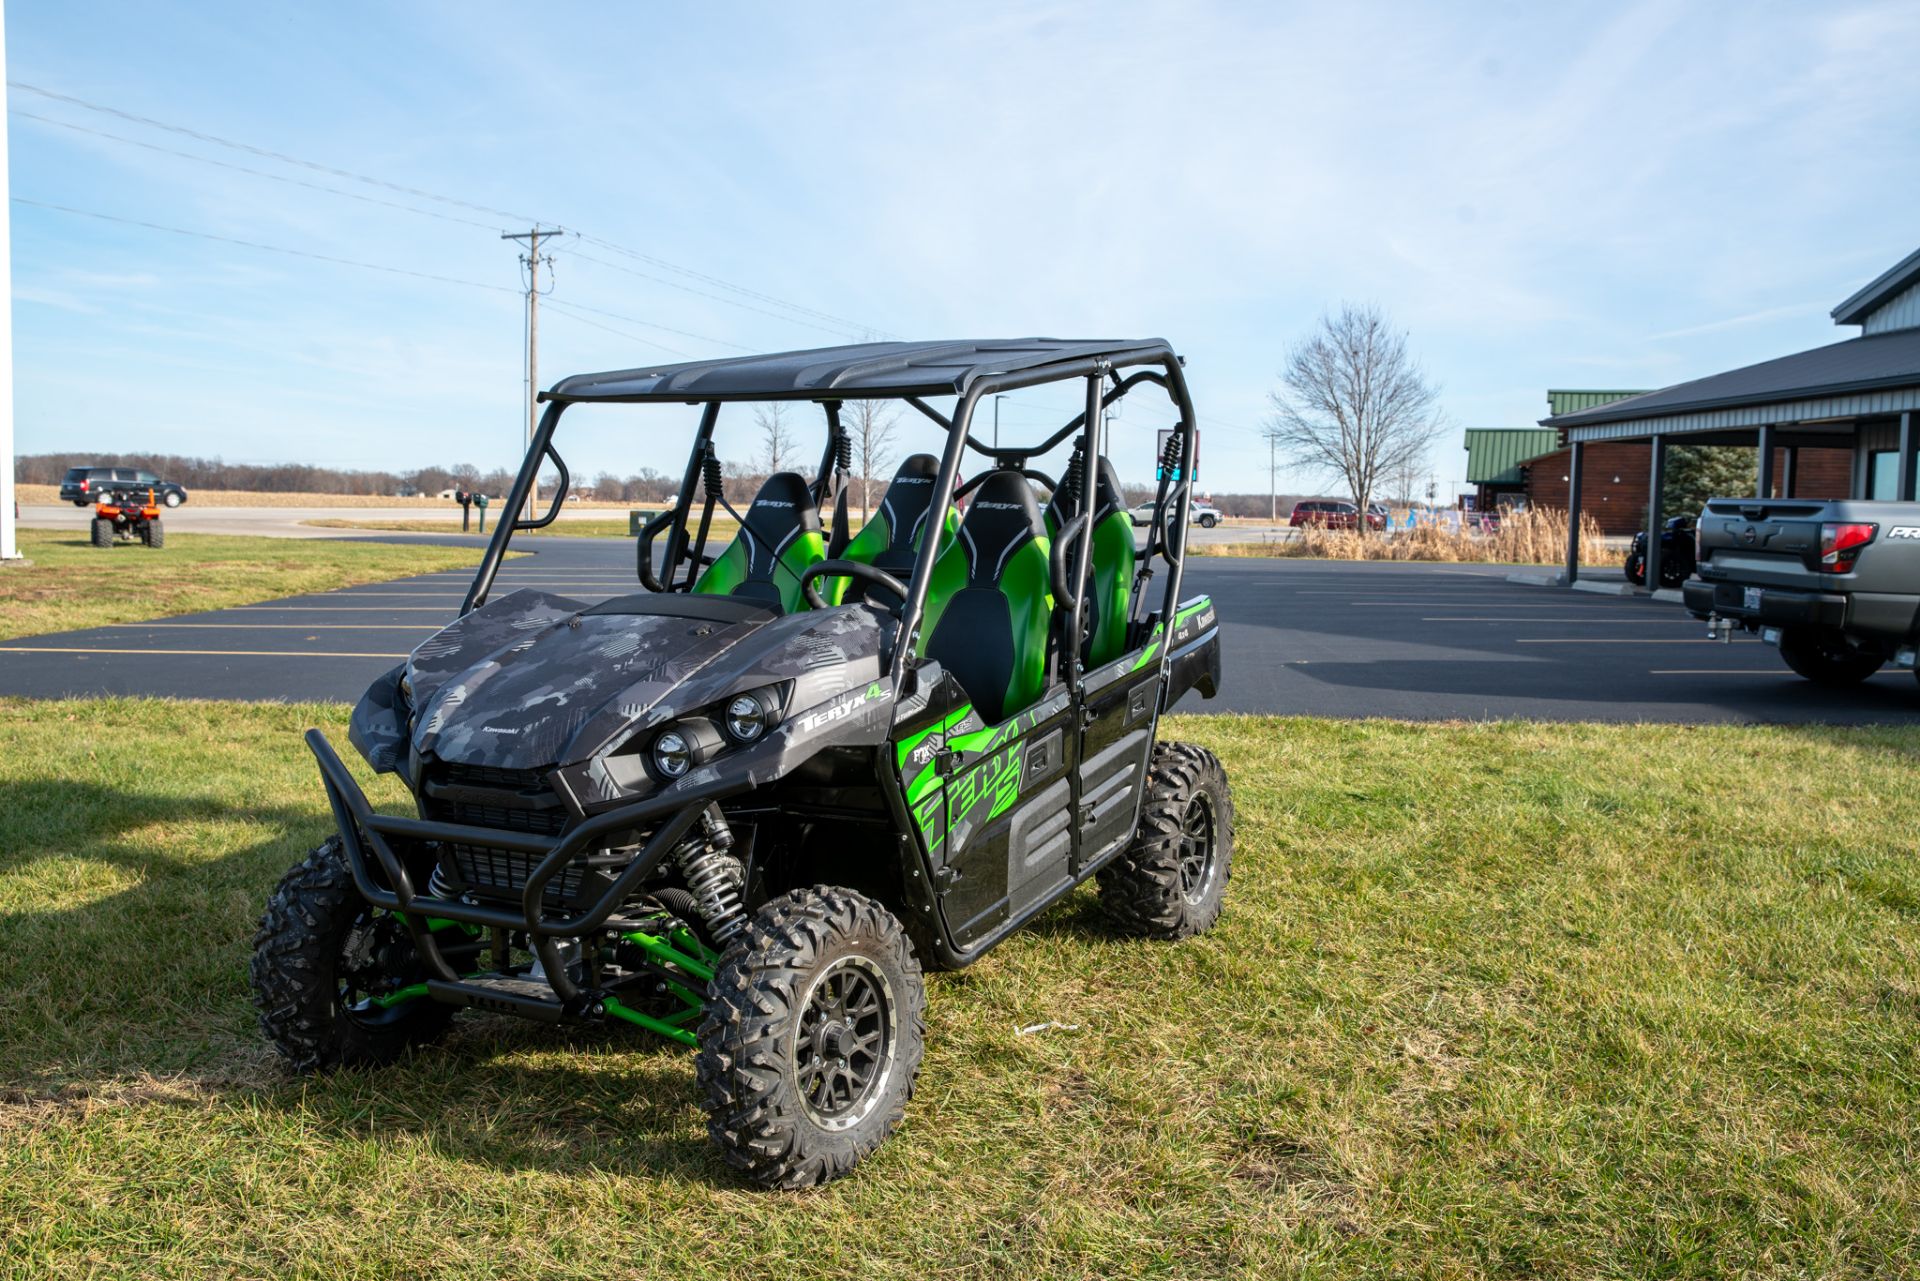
(540, 448)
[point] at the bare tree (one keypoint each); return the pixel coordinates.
(1353, 404)
(776, 439)
(871, 425)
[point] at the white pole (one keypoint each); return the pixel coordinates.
(9, 548)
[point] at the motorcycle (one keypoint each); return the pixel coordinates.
(1676, 554)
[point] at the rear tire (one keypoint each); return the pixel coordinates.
(814, 1029)
(102, 532)
(1824, 657)
(155, 534)
(315, 922)
(1171, 882)
(171, 498)
(1637, 568)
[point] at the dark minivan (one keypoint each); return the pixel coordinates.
(83, 485)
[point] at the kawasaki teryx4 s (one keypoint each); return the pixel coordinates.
(744, 807)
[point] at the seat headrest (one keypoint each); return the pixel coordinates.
(909, 495)
(1002, 516)
(1108, 497)
(782, 509)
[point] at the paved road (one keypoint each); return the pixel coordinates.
(1310, 637)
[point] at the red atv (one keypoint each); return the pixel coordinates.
(124, 517)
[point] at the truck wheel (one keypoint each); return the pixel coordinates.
(1637, 569)
(154, 535)
(102, 532)
(322, 961)
(815, 1021)
(1170, 882)
(1823, 656)
(171, 498)
(1208, 522)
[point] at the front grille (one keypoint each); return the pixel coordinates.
(508, 800)
(502, 873)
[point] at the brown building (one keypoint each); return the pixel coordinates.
(1614, 491)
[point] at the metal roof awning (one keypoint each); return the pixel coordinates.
(861, 371)
(1873, 374)
(1494, 454)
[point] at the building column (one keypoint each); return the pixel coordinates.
(1656, 490)
(1763, 471)
(1789, 470)
(1574, 459)
(1904, 491)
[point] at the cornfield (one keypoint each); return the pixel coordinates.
(1523, 538)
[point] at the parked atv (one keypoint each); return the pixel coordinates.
(746, 807)
(1676, 554)
(122, 516)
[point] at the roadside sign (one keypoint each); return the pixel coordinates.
(1160, 452)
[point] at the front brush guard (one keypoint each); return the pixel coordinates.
(362, 828)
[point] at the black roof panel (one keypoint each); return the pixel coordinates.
(1858, 364)
(864, 370)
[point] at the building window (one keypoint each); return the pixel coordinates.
(1883, 475)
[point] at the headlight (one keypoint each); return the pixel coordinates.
(672, 754)
(748, 717)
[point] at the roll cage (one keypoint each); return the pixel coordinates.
(906, 372)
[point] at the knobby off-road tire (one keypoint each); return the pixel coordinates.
(297, 970)
(1169, 884)
(155, 535)
(815, 1022)
(1823, 656)
(102, 532)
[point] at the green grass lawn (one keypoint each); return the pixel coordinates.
(1487, 1000)
(72, 583)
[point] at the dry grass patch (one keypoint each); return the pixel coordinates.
(1524, 538)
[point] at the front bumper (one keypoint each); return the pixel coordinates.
(1764, 606)
(374, 841)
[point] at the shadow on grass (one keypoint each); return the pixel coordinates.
(140, 994)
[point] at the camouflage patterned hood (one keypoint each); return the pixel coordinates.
(534, 680)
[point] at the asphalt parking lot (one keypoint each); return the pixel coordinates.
(1320, 638)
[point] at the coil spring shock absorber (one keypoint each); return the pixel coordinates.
(1070, 482)
(843, 452)
(712, 876)
(711, 475)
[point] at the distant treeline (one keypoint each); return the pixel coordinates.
(644, 486)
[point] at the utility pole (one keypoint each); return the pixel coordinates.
(9, 551)
(531, 260)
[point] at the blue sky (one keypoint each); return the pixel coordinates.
(1542, 195)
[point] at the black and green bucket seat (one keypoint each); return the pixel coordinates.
(891, 539)
(779, 540)
(989, 607)
(1109, 593)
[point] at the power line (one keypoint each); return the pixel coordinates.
(255, 244)
(564, 310)
(671, 284)
(281, 156)
(667, 329)
(849, 328)
(257, 173)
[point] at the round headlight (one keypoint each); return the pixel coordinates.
(746, 718)
(672, 754)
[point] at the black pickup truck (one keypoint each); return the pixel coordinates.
(1835, 584)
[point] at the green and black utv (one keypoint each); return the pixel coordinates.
(744, 807)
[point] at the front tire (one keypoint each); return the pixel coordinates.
(322, 960)
(171, 498)
(1823, 656)
(1208, 522)
(1171, 882)
(1637, 568)
(814, 1029)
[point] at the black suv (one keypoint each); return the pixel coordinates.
(84, 485)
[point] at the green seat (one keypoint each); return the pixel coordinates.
(988, 604)
(1110, 593)
(779, 540)
(891, 540)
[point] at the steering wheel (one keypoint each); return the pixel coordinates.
(852, 569)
